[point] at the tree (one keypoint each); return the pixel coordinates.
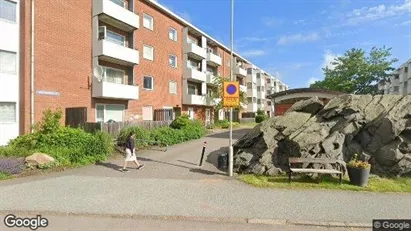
(216, 95)
(355, 73)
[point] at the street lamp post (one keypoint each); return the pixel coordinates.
(230, 148)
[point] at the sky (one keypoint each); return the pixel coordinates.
(294, 39)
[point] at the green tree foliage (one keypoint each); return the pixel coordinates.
(357, 73)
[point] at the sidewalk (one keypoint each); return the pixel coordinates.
(173, 186)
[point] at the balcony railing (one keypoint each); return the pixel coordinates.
(112, 12)
(195, 51)
(113, 52)
(110, 90)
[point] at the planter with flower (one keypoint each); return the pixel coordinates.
(358, 171)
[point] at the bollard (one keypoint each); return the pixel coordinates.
(202, 153)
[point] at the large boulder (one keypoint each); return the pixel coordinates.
(378, 128)
(39, 159)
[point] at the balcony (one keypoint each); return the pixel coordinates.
(213, 59)
(194, 74)
(211, 79)
(240, 71)
(260, 81)
(108, 90)
(196, 100)
(115, 53)
(115, 15)
(194, 51)
(252, 92)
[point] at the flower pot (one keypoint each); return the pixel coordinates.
(358, 176)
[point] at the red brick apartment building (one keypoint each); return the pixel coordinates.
(120, 59)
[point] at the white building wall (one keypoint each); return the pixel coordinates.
(9, 80)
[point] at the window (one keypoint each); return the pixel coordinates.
(148, 83)
(121, 3)
(249, 86)
(113, 75)
(396, 89)
(8, 10)
(172, 60)
(269, 103)
(148, 21)
(405, 69)
(249, 71)
(191, 89)
(258, 101)
(116, 38)
(148, 112)
(258, 88)
(148, 52)
(8, 61)
(191, 113)
(109, 112)
(192, 40)
(250, 100)
(172, 85)
(172, 34)
(7, 112)
(193, 65)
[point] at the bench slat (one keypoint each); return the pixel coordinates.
(311, 170)
(293, 160)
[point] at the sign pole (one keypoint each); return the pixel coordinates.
(230, 147)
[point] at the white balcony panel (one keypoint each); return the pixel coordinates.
(196, 75)
(240, 71)
(194, 99)
(213, 59)
(115, 15)
(260, 82)
(109, 90)
(116, 53)
(195, 51)
(251, 92)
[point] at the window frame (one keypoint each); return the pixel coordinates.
(175, 35)
(15, 113)
(104, 111)
(152, 21)
(152, 48)
(111, 40)
(169, 86)
(115, 69)
(175, 56)
(15, 61)
(15, 13)
(152, 83)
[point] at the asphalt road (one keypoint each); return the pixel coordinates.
(87, 223)
(172, 185)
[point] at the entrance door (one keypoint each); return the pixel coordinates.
(208, 116)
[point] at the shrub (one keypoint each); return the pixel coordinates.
(69, 146)
(226, 124)
(181, 122)
(261, 116)
(12, 166)
(183, 129)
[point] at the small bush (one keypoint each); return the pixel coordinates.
(181, 122)
(226, 124)
(260, 118)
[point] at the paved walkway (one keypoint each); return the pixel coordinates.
(172, 185)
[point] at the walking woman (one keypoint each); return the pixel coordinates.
(131, 154)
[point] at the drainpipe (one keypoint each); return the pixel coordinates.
(32, 69)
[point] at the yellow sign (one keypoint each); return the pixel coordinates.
(231, 89)
(231, 94)
(231, 102)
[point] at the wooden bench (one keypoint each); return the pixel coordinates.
(293, 161)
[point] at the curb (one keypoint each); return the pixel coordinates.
(194, 218)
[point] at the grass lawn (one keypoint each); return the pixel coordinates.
(375, 183)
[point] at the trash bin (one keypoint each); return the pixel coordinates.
(222, 162)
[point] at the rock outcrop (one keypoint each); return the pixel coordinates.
(378, 128)
(39, 159)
